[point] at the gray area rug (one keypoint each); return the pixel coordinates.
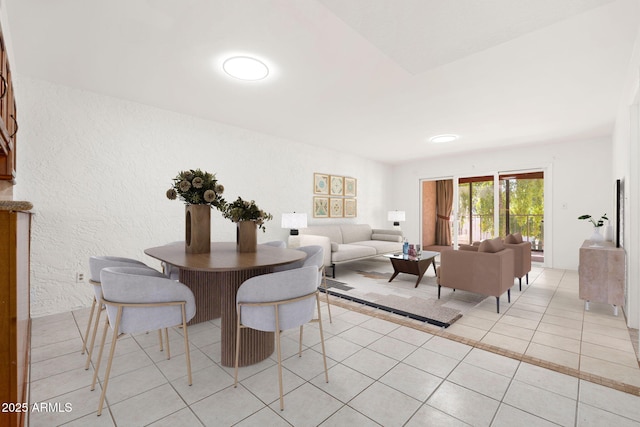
(422, 309)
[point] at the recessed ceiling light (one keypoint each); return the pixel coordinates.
(245, 68)
(443, 138)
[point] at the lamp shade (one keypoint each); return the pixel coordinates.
(294, 220)
(395, 216)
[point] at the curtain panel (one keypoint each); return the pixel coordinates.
(444, 206)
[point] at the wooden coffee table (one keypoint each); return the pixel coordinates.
(413, 265)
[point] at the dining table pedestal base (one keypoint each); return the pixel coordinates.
(215, 295)
(214, 278)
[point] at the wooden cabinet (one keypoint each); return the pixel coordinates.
(15, 317)
(602, 274)
(8, 118)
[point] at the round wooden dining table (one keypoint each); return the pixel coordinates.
(214, 279)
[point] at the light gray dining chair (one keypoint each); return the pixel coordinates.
(276, 302)
(315, 256)
(137, 300)
(96, 264)
(171, 271)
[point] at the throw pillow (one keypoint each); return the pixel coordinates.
(491, 246)
(513, 239)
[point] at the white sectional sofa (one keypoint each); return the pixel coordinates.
(350, 242)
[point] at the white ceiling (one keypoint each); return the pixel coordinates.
(371, 77)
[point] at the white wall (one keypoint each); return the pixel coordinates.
(626, 154)
(580, 183)
(97, 169)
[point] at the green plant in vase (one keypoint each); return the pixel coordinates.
(242, 210)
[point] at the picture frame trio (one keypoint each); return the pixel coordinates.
(335, 196)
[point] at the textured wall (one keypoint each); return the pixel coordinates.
(97, 168)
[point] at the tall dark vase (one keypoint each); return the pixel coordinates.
(247, 236)
(197, 229)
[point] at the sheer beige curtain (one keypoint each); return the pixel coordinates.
(444, 206)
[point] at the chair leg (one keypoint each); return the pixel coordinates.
(439, 291)
(498, 305)
(520, 283)
(527, 278)
(279, 359)
(326, 292)
(102, 341)
(110, 361)
(300, 343)
(324, 356)
(235, 382)
(186, 342)
(86, 334)
(509, 296)
(93, 336)
(160, 339)
(166, 338)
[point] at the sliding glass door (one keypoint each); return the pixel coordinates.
(522, 207)
(482, 207)
(476, 209)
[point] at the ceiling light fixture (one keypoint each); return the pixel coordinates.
(245, 68)
(443, 138)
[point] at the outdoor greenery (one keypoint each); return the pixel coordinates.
(526, 207)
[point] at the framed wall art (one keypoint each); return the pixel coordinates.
(336, 185)
(350, 187)
(321, 207)
(320, 183)
(336, 207)
(350, 208)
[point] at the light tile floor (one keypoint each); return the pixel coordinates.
(381, 372)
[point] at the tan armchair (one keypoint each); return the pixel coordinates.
(487, 271)
(522, 256)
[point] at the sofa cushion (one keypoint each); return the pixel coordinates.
(491, 245)
(387, 237)
(335, 246)
(380, 246)
(333, 232)
(355, 233)
(513, 238)
(349, 252)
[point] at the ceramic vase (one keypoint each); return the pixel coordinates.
(197, 229)
(596, 237)
(247, 236)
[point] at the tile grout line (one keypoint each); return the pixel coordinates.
(596, 379)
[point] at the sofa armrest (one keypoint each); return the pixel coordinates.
(312, 239)
(522, 255)
(386, 235)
